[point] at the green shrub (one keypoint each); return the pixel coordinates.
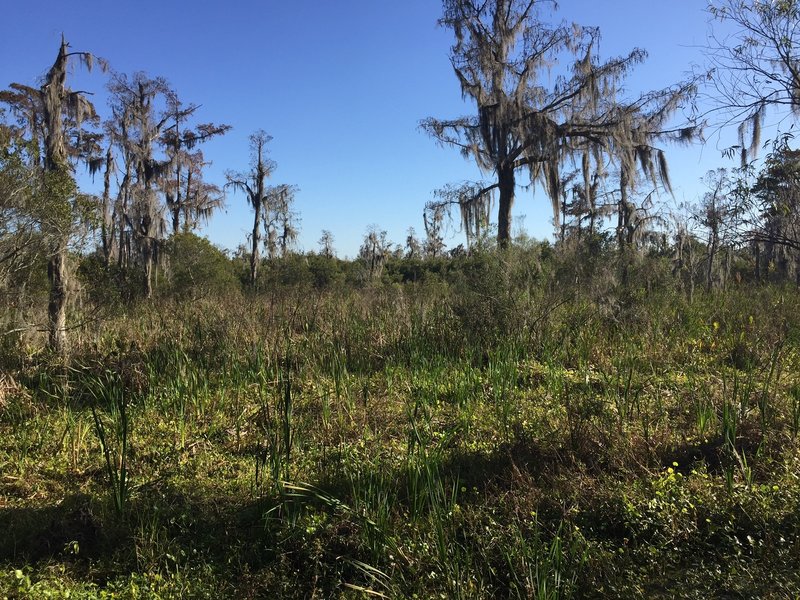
(198, 268)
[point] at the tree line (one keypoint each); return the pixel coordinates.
(150, 145)
(547, 113)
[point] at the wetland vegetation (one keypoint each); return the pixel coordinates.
(496, 428)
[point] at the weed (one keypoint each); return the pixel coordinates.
(112, 425)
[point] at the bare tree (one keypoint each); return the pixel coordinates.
(583, 209)
(188, 197)
(413, 245)
(136, 127)
(326, 244)
(756, 72)
(722, 213)
(281, 221)
(503, 56)
(433, 218)
(685, 261)
(375, 251)
(253, 184)
(756, 66)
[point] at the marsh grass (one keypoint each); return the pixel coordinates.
(112, 425)
(794, 410)
(438, 440)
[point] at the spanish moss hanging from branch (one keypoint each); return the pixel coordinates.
(474, 202)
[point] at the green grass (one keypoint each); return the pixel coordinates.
(425, 440)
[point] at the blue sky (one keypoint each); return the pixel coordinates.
(341, 86)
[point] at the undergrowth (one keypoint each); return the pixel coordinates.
(491, 437)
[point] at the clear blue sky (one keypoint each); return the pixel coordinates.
(340, 85)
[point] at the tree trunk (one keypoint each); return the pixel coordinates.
(148, 269)
(506, 183)
(188, 223)
(58, 275)
(256, 240)
(107, 231)
(624, 236)
(726, 271)
(624, 213)
(53, 93)
(176, 218)
(712, 254)
(691, 273)
(757, 260)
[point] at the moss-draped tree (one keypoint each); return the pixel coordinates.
(50, 112)
(534, 113)
(253, 184)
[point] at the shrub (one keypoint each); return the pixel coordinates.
(197, 267)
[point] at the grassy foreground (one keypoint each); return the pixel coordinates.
(410, 441)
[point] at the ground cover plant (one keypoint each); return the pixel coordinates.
(490, 431)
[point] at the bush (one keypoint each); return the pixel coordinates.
(325, 271)
(484, 303)
(107, 286)
(198, 268)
